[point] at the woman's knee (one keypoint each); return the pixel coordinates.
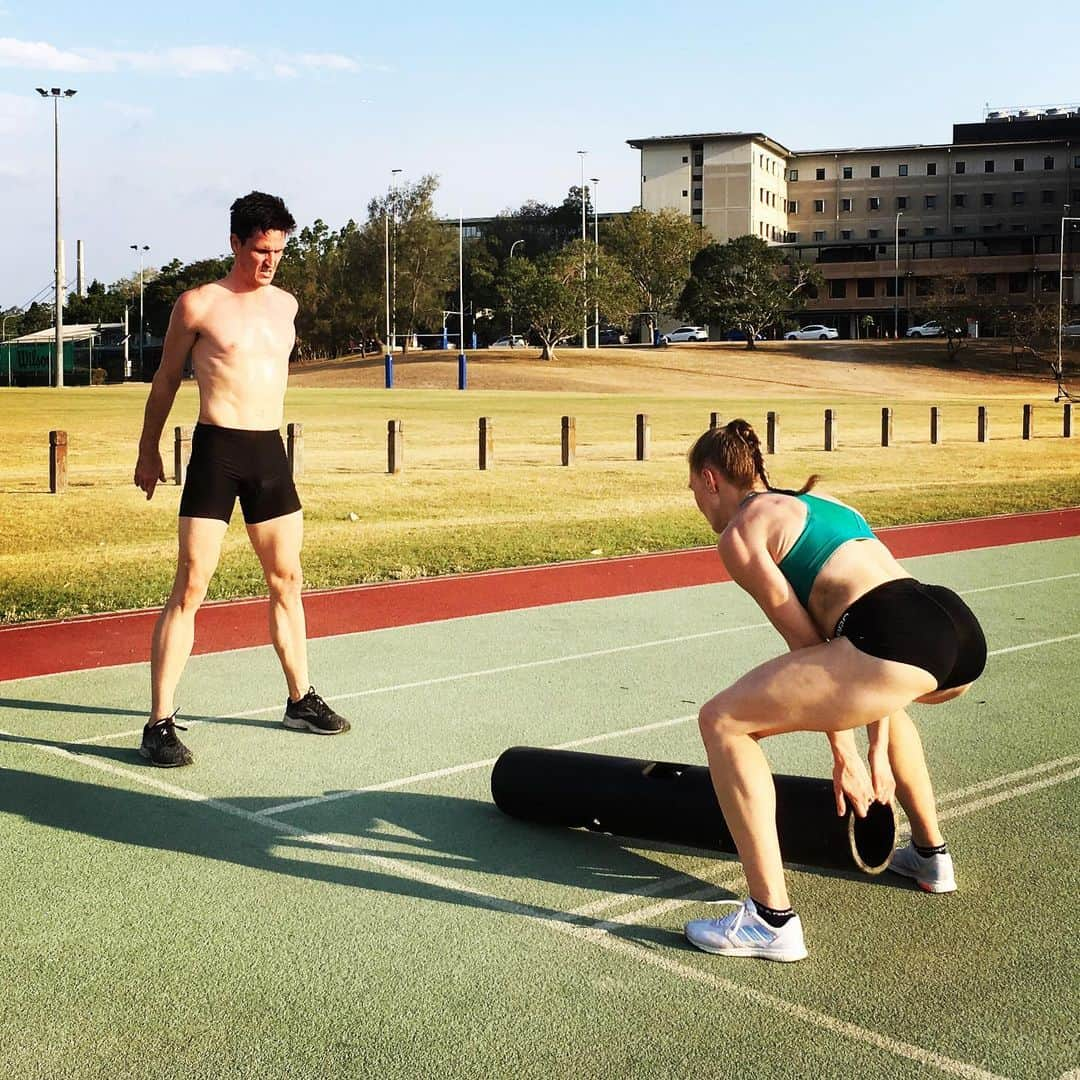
(285, 584)
(716, 721)
(191, 585)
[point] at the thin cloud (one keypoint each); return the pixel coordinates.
(185, 61)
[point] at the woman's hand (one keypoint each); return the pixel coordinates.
(852, 784)
(882, 775)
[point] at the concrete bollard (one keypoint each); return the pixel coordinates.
(886, 426)
(772, 431)
(486, 446)
(181, 454)
(830, 429)
(644, 437)
(1029, 421)
(58, 447)
(294, 447)
(984, 424)
(1066, 420)
(395, 445)
(935, 425)
(569, 439)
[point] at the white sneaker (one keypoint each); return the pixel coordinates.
(745, 933)
(933, 875)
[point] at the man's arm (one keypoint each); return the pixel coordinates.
(179, 339)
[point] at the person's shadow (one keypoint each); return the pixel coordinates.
(71, 708)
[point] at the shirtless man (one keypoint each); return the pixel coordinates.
(239, 332)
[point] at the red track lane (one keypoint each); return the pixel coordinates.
(94, 641)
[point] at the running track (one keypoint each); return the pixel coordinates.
(93, 641)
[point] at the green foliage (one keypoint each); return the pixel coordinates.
(656, 250)
(744, 284)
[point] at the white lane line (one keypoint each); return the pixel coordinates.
(563, 922)
(1007, 778)
(1002, 796)
(468, 766)
(1034, 644)
(1018, 584)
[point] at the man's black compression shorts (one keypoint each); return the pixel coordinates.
(925, 625)
(229, 462)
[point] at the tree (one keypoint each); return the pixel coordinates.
(744, 284)
(1033, 331)
(656, 249)
(951, 305)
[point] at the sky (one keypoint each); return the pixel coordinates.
(181, 108)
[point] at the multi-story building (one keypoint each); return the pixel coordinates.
(883, 222)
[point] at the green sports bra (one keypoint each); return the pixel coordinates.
(828, 525)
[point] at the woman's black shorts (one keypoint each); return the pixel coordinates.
(229, 462)
(925, 625)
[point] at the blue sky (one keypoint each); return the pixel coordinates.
(183, 107)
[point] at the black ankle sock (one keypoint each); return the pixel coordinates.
(774, 918)
(926, 852)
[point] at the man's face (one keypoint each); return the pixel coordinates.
(258, 256)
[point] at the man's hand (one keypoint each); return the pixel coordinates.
(149, 471)
(852, 784)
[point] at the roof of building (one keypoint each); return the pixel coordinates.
(74, 332)
(711, 136)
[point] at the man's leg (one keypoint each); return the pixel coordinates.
(277, 544)
(174, 632)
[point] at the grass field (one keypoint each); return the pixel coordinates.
(102, 547)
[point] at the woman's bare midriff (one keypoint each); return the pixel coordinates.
(851, 571)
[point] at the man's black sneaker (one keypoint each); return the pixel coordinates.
(161, 747)
(311, 713)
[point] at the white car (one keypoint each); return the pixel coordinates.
(511, 341)
(815, 332)
(685, 333)
(930, 329)
(1071, 330)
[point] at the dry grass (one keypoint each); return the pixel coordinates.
(101, 546)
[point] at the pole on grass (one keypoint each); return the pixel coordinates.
(935, 425)
(295, 448)
(983, 425)
(569, 439)
(772, 431)
(830, 429)
(181, 454)
(462, 362)
(643, 440)
(486, 448)
(58, 447)
(1029, 425)
(395, 445)
(886, 426)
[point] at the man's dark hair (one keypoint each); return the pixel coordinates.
(258, 212)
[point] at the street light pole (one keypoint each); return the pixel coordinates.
(896, 277)
(142, 336)
(1061, 391)
(584, 267)
(596, 263)
(512, 246)
(56, 93)
(394, 173)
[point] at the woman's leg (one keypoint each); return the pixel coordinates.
(913, 788)
(830, 687)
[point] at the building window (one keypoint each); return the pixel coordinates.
(1018, 283)
(988, 165)
(930, 202)
(761, 195)
(1047, 197)
(864, 287)
(875, 171)
(772, 199)
(959, 199)
(1048, 281)
(931, 168)
(901, 202)
(873, 233)
(793, 206)
(961, 168)
(686, 161)
(847, 172)
(699, 160)
(792, 237)
(1018, 164)
(845, 205)
(845, 234)
(697, 194)
(894, 286)
(923, 286)
(930, 230)
(1048, 161)
(986, 284)
(793, 175)
(1019, 228)
(761, 161)
(819, 206)
(901, 232)
(1018, 198)
(1076, 194)
(1076, 161)
(988, 198)
(873, 203)
(959, 230)
(685, 193)
(819, 234)
(819, 174)
(837, 289)
(902, 171)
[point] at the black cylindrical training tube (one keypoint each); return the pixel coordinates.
(659, 800)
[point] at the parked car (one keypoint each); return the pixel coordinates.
(740, 335)
(1071, 330)
(612, 336)
(511, 341)
(685, 333)
(928, 329)
(814, 332)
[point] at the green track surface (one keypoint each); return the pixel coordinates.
(157, 926)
